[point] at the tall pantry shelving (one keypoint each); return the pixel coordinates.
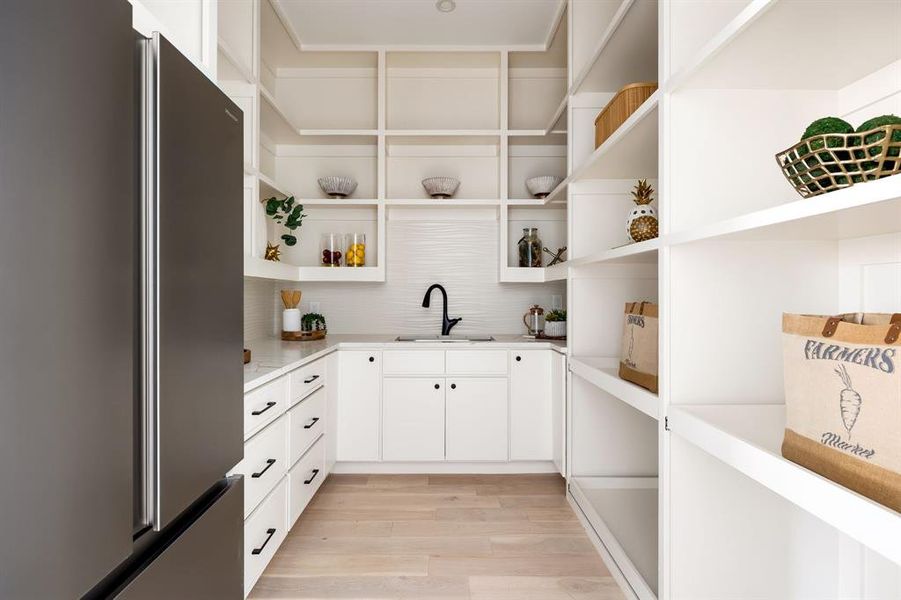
(685, 491)
(390, 117)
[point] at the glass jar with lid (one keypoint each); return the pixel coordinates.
(530, 248)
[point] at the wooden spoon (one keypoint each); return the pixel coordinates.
(286, 298)
(295, 299)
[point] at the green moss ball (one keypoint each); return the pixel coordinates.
(827, 125)
(879, 122)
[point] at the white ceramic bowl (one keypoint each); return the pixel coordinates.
(337, 187)
(541, 187)
(440, 187)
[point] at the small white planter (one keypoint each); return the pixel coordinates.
(555, 328)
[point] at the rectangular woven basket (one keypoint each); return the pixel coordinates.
(624, 103)
(823, 163)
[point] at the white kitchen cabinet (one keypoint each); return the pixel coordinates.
(558, 411)
(531, 411)
(413, 419)
(359, 405)
(476, 419)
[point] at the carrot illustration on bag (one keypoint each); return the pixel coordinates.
(850, 400)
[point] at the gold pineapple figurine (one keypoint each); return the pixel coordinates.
(642, 223)
(273, 252)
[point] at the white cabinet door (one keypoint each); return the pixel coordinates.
(531, 416)
(558, 411)
(413, 419)
(359, 405)
(476, 419)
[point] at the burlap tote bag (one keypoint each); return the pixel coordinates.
(639, 346)
(843, 400)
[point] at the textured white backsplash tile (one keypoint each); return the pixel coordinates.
(460, 255)
(259, 309)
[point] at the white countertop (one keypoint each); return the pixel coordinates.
(271, 357)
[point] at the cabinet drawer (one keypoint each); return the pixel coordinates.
(264, 405)
(306, 379)
(413, 362)
(477, 362)
(306, 422)
(264, 532)
(265, 463)
(304, 479)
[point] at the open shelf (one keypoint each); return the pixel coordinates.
(534, 274)
(268, 269)
(749, 439)
(232, 68)
(626, 51)
(341, 274)
(269, 187)
(338, 202)
(274, 121)
(630, 153)
(622, 512)
(443, 202)
(864, 209)
(602, 372)
(750, 51)
(639, 252)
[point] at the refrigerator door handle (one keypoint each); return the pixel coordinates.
(149, 287)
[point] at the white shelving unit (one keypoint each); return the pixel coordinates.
(684, 492)
(389, 118)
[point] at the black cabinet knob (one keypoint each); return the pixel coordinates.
(371, 359)
(437, 387)
(518, 358)
(453, 386)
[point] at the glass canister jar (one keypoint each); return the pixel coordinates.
(355, 256)
(530, 248)
(332, 247)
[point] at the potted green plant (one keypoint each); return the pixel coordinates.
(286, 212)
(555, 324)
(312, 322)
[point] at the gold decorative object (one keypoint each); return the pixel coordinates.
(273, 252)
(643, 218)
(823, 163)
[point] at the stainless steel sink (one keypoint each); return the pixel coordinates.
(444, 338)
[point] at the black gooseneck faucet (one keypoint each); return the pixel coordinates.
(447, 323)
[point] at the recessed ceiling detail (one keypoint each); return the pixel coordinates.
(395, 23)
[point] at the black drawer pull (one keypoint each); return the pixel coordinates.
(311, 423)
(310, 480)
(269, 463)
(453, 386)
(269, 405)
(311, 379)
(437, 387)
(518, 358)
(371, 359)
(270, 532)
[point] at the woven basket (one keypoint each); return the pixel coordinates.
(624, 103)
(823, 163)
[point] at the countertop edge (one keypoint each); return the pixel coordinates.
(335, 345)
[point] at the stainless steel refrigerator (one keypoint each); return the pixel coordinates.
(120, 312)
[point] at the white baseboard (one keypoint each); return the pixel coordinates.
(439, 468)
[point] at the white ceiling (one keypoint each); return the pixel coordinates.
(504, 23)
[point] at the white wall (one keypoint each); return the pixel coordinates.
(459, 254)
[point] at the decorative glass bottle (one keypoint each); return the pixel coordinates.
(530, 248)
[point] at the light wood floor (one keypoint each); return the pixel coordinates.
(447, 537)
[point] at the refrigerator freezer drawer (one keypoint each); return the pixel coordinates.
(265, 463)
(264, 532)
(306, 379)
(306, 422)
(264, 404)
(204, 561)
(304, 480)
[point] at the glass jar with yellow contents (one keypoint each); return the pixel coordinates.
(356, 250)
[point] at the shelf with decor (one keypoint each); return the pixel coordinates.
(603, 373)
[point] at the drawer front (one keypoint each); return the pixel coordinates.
(306, 422)
(264, 405)
(265, 463)
(413, 362)
(306, 379)
(477, 362)
(264, 532)
(304, 479)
